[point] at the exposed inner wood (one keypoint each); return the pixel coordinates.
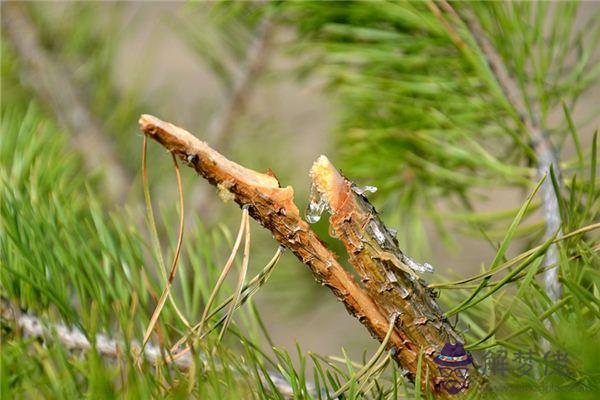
(273, 207)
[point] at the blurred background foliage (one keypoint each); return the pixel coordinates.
(398, 94)
(424, 119)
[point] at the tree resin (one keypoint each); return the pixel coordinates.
(361, 190)
(317, 204)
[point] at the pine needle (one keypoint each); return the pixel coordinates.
(248, 290)
(506, 265)
(167, 291)
(241, 279)
(152, 224)
(225, 271)
(368, 368)
(370, 378)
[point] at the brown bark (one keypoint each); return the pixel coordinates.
(374, 253)
(273, 207)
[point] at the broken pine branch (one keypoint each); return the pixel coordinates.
(384, 270)
(273, 207)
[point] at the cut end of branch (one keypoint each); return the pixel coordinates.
(329, 183)
(147, 121)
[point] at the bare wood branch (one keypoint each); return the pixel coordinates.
(52, 84)
(273, 207)
(374, 253)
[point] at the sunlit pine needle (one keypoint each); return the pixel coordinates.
(167, 291)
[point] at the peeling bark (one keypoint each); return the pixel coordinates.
(273, 207)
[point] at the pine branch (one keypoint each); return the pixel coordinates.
(30, 326)
(386, 272)
(51, 82)
(274, 208)
(544, 149)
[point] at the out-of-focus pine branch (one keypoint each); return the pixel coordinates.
(221, 127)
(32, 327)
(423, 116)
(545, 151)
(54, 86)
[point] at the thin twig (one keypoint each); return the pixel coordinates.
(256, 58)
(52, 83)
